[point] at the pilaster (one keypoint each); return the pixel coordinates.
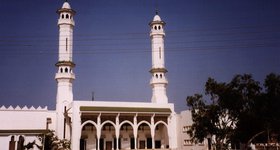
(76, 128)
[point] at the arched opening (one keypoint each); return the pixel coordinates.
(108, 137)
(12, 143)
(67, 16)
(127, 139)
(61, 70)
(160, 75)
(155, 27)
(66, 70)
(88, 138)
(161, 136)
(159, 27)
(156, 75)
(62, 16)
(144, 136)
(20, 143)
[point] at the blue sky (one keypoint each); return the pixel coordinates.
(112, 49)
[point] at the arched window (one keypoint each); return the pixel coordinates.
(62, 16)
(67, 16)
(66, 70)
(20, 143)
(156, 75)
(61, 70)
(159, 27)
(155, 27)
(160, 75)
(12, 143)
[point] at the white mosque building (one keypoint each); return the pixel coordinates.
(100, 125)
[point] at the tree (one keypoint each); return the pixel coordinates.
(264, 115)
(272, 95)
(219, 118)
(53, 143)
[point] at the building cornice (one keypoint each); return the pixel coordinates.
(153, 70)
(156, 22)
(65, 63)
(125, 109)
(25, 132)
(66, 10)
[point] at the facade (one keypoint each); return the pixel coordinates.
(100, 125)
(184, 122)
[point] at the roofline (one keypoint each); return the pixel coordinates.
(66, 10)
(157, 22)
(25, 131)
(125, 109)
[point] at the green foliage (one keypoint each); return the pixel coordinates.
(53, 143)
(237, 110)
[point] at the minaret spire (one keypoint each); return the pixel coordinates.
(156, 11)
(156, 6)
(158, 71)
(65, 65)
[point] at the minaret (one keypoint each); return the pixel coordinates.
(158, 81)
(65, 65)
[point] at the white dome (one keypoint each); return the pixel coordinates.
(66, 5)
(157, 18)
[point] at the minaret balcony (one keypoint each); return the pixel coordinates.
(66, 21)
(158, 81)
(64, 76)
(158, 70)
(157, 32)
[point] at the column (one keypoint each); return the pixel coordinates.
(98, 131)
(172, 124)
(117, 128)
(76, 128)
(153, 131)
(135, 127)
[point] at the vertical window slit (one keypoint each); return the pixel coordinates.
(160, 52)
(66, 44)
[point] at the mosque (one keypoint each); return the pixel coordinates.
(100, 125)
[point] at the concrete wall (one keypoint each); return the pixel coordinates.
(22, 122)
(184, 143)
(26, 119)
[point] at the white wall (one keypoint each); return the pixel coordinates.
(185, 120)
(26, 119)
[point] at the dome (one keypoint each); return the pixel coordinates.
(66, 5)
(156, 18)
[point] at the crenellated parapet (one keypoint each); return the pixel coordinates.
(24, 108)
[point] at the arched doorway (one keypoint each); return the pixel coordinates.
(127, 139)
(161, 136)
(108, 135)
(12, 143)
(20, 143)
(88, 138)
(144, 136)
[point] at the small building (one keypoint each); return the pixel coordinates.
(184, 122)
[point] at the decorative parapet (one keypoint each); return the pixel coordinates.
(25, 108)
